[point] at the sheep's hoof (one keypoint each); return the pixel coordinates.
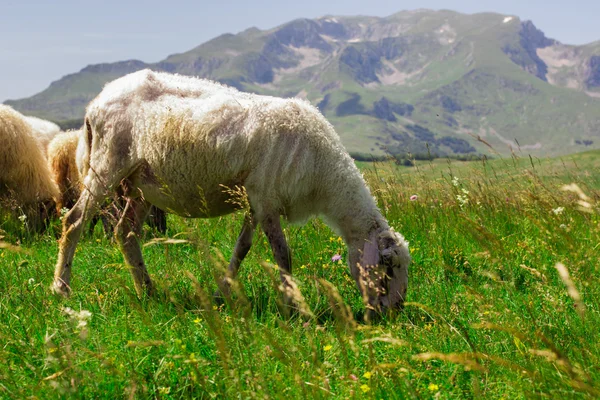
(288, 307)
(60, 288)
(147, 290)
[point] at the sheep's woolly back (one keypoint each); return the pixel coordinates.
(194, 134)
(43, 130)
(63, 166)
(24, 172)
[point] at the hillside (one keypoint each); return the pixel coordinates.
(416, 81)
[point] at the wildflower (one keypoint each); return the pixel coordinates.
(80, 317)
(455, 181)
(353, 377)
(414, 197)
(197, 320)
(433, 387)
(558, 210)
(336, 257)
(328, 347)
(462, 199)
(365, 388)
(367, 375)
(31, 281)
(23, 218)
(164, 390)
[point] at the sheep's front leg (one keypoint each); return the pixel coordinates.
(73, 224)
(242, 247)
(127, 232)
(272, 228)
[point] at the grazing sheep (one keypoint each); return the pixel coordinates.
(44, 130)
(65, 164)
(185, 144)
(62, 161)
(25, 181)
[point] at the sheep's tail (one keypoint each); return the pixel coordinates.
(84, 148)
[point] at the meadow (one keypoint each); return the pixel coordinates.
(502, 302)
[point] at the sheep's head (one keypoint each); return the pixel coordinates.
(384, 270)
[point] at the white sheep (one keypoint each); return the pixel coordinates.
(25, 181)
(44, 130)
(183, 144)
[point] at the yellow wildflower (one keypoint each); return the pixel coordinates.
(368, 375)
(365, 388)
(164, 390)
(328, 347)
(433, 387)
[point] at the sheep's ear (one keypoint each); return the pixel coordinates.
(370, 256)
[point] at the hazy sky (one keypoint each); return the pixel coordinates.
(43, 40)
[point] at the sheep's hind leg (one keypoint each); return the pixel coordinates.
(73, 224)
(272, 227)
(242, 246)
(127, 232)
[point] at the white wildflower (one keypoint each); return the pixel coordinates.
(31, 281)
(63, 212)
(463, 199)
(81, 317)
(558, 210)
(455, 181)
(23, 218)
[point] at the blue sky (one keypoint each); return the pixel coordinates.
(41, 41)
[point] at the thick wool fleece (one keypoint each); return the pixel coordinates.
(24, 173)
(62, 161)
(43, 130)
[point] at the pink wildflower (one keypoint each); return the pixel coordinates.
(413, 197)
(336, 257)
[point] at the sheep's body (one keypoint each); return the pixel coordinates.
(43, 130)
(184, 142)
(25, 179)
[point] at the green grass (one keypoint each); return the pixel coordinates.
(488, 315)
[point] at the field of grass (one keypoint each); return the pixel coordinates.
(502, 302)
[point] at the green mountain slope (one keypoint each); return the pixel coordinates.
(416, 81)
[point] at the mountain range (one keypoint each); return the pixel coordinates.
(419, 82)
